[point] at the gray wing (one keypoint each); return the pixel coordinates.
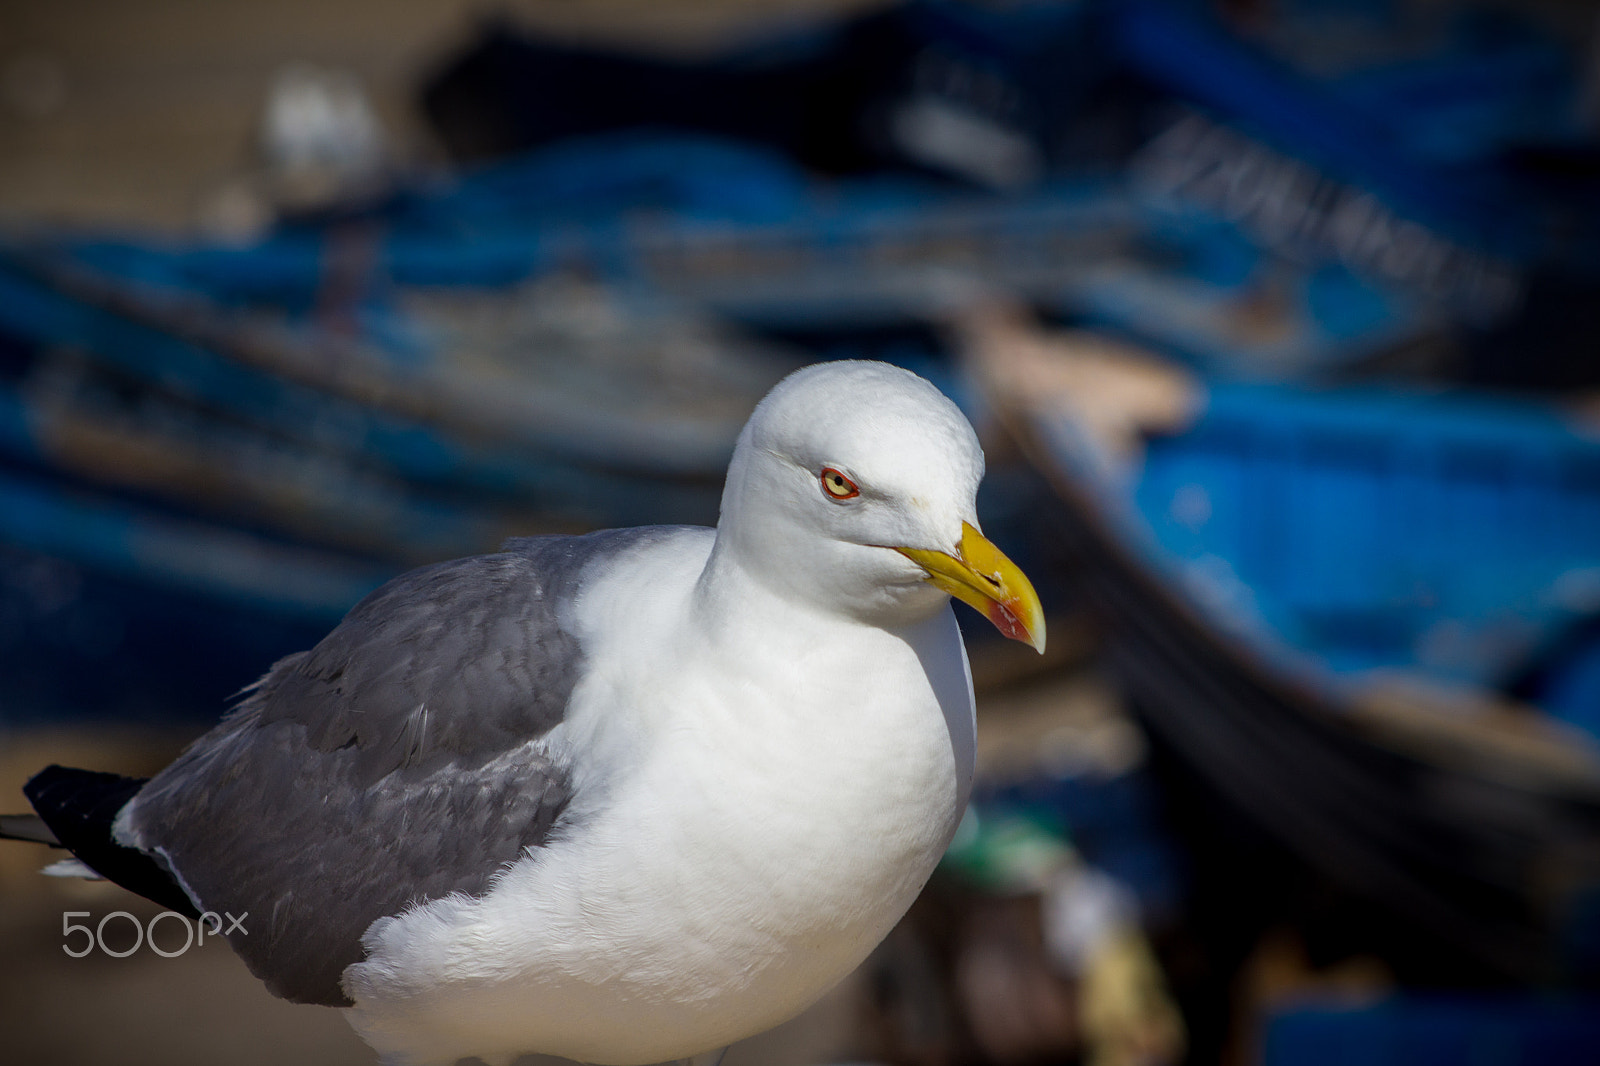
(388, 765)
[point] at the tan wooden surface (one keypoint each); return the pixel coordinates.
(131, 112)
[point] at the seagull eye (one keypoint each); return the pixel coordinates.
(837, 485)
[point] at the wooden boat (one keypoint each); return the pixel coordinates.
(1310, 595)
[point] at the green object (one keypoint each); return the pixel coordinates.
(1008, 851)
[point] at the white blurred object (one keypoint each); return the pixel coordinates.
(320, 136)
(319, 143)
(1091, 930)
(947, 137)
(1081, 909)
(71, 868)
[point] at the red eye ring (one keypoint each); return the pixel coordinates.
(837, 486)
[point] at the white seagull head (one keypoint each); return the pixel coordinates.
(853, 487)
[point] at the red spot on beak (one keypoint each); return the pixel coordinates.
(1006, 622)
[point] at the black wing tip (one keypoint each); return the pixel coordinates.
(55, 776)
(74, 802)
(80, 807)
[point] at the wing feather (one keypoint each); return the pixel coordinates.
(403, 758)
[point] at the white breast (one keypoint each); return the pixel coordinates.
(750, 828)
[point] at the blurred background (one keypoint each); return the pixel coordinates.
(1279, 319)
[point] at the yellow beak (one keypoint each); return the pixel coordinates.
(979, 574)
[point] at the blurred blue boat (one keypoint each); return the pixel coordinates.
(1317, 599)
(541, 345)
(239, 470)
(1442, 152)
(1381, 530)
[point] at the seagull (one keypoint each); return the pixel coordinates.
(620, 798)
